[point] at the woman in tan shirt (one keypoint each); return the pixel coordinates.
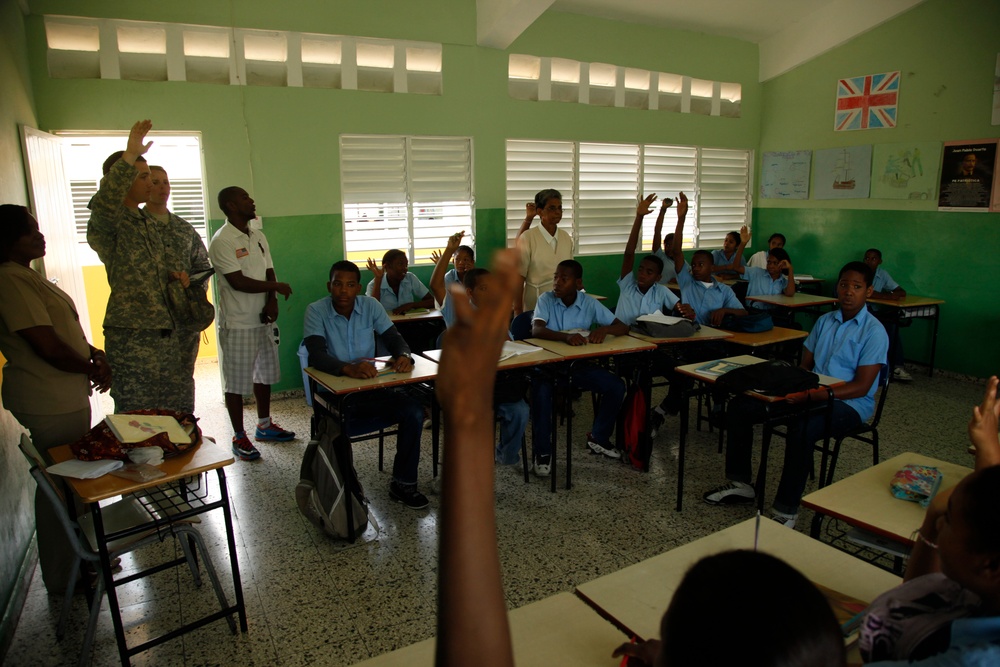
(541, 247)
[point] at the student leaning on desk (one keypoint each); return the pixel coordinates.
(947, 611)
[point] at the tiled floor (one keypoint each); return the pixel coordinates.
(313, 601)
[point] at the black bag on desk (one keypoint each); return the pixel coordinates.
(322, 491)
(774, 378)
(682, 329)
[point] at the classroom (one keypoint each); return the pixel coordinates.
(285, 138)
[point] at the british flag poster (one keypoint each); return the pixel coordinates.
(867, 102)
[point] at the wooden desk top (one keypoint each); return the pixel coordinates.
(864, 500)
(775, 335)
(596, 297)
(702, 334)
(799, 300)
(206, 456)
(907, 301)
(674, 285)
(421, 316)
(612, 345)
(423, 369)
(559, 630)
(638, 595)
(539, 356)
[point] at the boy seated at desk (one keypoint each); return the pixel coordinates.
(884, 287)
(759, 259)
(398, 290)
(339, 334)
(511, 409)
(561, 315)
(848, 344)
(778, 277)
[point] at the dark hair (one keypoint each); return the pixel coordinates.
(156, 167)
(13, 225)
(114, 157)
(704, 253)
(878, 253)
(792, 624)
(861, 268)
(982, 510)
(468, 249)
(344, 265)
(735, 235)
(226, 196)
(777, 235)
(391, 255)
(544, 196)
(472, 277)
(573, 266)
(780, 254)
(655, 261)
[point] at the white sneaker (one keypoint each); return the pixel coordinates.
(597, 448)
(730, 493)
(656, 421)
(543, 466)
(900, 375)
(786, 520)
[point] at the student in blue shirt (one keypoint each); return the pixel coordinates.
(566, 308)
(641, 293)
(777, 278)
(442, 278)
(339, 334)
(725, 257)
(398, 290)
(848, 344)
(666, 253)
(885, 287)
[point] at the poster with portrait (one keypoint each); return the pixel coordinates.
(967, 171)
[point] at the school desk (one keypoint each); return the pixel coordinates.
(696, 371)
(555, 631)
(763, 339)
(420, 328)
(612, 346)
(704, 333)
(917, 307)
(338, 392)
(797, 300)
(168, 499)
(864, 500)
(637, 596)
(417, 315)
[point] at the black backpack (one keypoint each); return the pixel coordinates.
(322, 491)
(774, 378)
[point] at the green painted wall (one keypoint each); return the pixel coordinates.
(946, 58)
(282, 144)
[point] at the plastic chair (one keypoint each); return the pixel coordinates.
(866, 432)
(121, 515)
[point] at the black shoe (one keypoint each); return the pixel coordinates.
(408, 495)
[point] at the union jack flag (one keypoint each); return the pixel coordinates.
(867, 102)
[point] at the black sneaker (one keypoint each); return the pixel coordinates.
(730, 493)
(408, 495)
(656, 420)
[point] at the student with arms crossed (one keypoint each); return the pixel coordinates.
(563, 309)
(947, 610)
(848, 344)
(339, 334)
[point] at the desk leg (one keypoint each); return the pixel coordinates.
(109, 584)
(233, 560)
(553, 440)
(435, 430)
(761, 482)
(934, 336)
(817, 524)
(681, 448)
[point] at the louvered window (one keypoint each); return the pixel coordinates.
(409, 193)
(602, 183)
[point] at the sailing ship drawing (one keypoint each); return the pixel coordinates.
(843, 179)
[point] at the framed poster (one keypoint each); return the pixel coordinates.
(967, 174)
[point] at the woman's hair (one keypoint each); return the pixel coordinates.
(749, 608)
(13, 225)
(543, 197)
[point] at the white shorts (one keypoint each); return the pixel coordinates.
(249, 356)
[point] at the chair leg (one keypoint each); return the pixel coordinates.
(199, 543)
(95, 612)
(826, 481)
(68, 598)
(875, 447)
(524, 456)
(381, 448)
(185, 542)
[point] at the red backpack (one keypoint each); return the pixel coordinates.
(637, 446)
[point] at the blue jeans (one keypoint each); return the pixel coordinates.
(743, 412)
(370, 411)
(609, 387)
(513, 422)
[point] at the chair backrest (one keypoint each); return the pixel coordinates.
(520, 327)
(883, 381)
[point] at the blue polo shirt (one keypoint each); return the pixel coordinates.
(410, 290)
(975, 642)
(883, 282)
(347, 339)
(669, 272)
(720, 259)
(705, 300)
(632, 303)
(448, 307)
(585, 311)
(840, 347)
(760, 284)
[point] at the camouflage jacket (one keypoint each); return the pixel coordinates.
(139, 252)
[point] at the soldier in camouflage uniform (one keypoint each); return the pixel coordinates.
(186, 249)
(141, 255)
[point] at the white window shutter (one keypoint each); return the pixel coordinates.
(440, 186)
(533, 166)
(668, 171)
(723, 194)
(608, 187)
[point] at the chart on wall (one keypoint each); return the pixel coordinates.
(967, 175)
(785, 175)
(842, 173)
(906, 170)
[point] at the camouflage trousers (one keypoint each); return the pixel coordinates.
(152, 368)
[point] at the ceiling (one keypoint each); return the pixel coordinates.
(787, 32)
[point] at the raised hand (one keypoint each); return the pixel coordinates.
(435, 256)
(645, 207)
(983, 427)
(530, 211)
(377, 269)
(135, 147)
(682, 205)
(744, 234)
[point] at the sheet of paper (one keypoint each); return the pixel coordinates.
(84, 469)
(660, 317)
